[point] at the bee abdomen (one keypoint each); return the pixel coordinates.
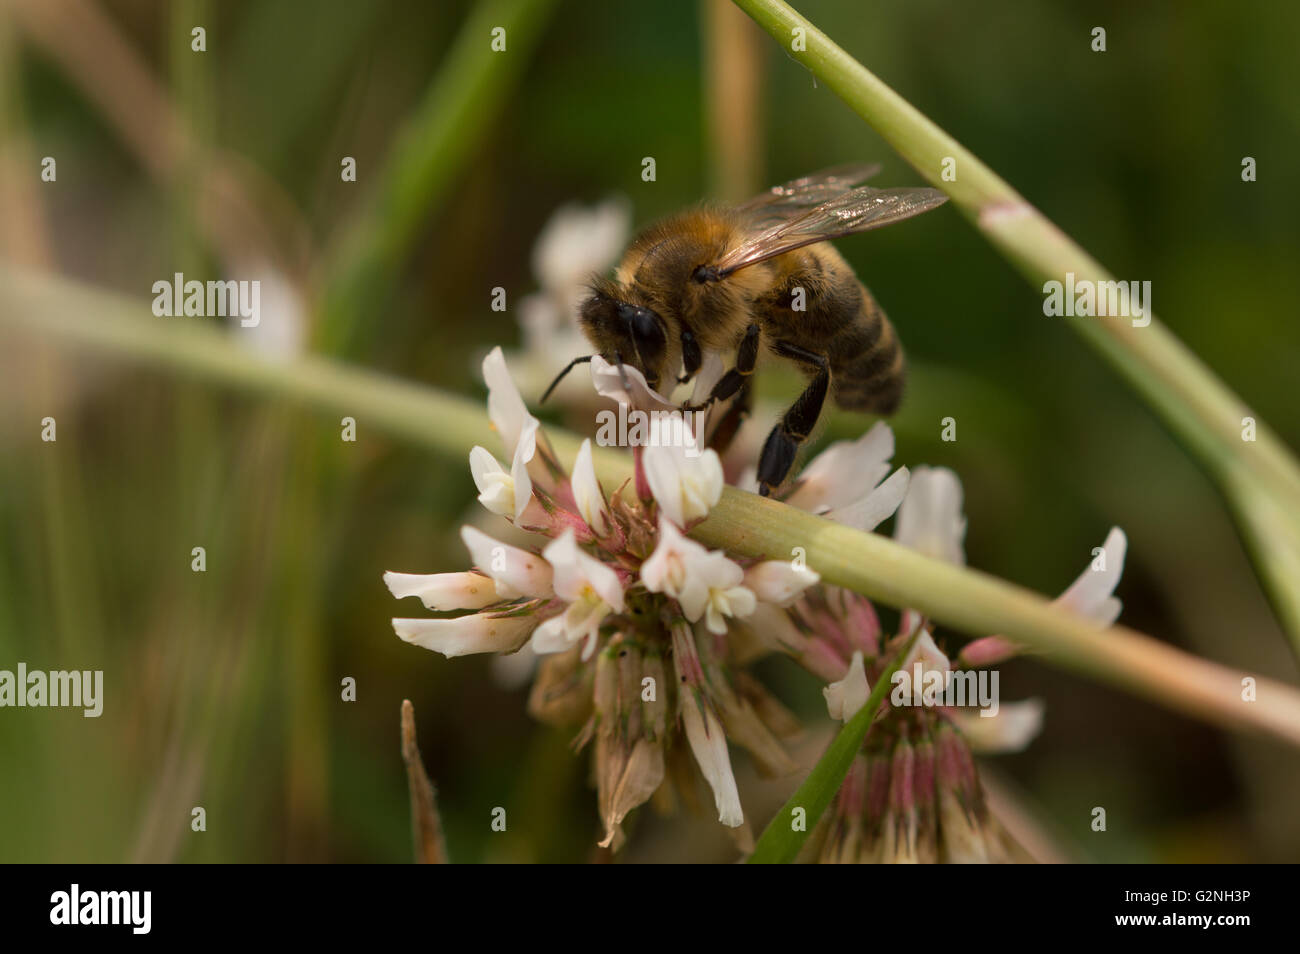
(868, 369)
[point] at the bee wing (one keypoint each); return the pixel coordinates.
(856, 210)
(790, 198)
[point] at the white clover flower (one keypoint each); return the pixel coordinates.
(704, 731)
(280, 334)
(1092, 594)
(726, 596)
(578, 241)
(591, 589)
(517, 427)
(626, 385)
(712, 368)
(516, 572)
(844, 482)
(706, 583)
(587, 494)
(930, 519)
(495, 484)
(847, 696)
(779, 581)
(929, 655)
(506, 408)
(668, 569)
(686, 487)
(477, 633)
(877, 506)
(444, 591)
(844, 472)
(709, 746)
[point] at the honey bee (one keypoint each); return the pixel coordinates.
(760, 277)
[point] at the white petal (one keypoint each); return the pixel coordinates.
(551, 637)
(496, 486)
(281, 329)
(877, 506)
(577, 241)
(444, 591)
(927, 653)
(740, 602)
(665, 570)
(479, 633)
(779, 581)
(716, 570)
(524, 451)
(1090, 596)
(711, 370)
(587, 493)
(575, 570)
(518, 571)
(844, 472)
(685, 487)
(709, 746)
(608, 381)
(506, 407)
(930, 519)
(515, 670)
(1015, 725)
(846, 697)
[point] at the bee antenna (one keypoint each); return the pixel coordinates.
(560, 377)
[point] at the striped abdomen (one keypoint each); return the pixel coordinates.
(867, 366)
(841, 320)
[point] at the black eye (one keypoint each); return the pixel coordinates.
(648, 336)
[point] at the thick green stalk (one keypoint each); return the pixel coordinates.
(1200, 409)
(744, 524)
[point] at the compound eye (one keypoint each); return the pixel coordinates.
(647, 334)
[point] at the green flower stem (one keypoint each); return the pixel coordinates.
(1202, 411)
(744, 524)
(780, 843)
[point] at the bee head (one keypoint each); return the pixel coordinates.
(626, 333)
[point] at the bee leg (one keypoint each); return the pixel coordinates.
(726, 430)
(797, 423)
(729, 383)
(691, 357)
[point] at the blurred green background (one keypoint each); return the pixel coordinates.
(223, 688)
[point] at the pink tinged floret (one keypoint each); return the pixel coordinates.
(902, 783)
(988, 651)
(861, 623)
(878, 778)
(686, 657)
(853, 793)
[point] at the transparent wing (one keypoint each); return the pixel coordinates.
(856, 210)
(791, 198)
